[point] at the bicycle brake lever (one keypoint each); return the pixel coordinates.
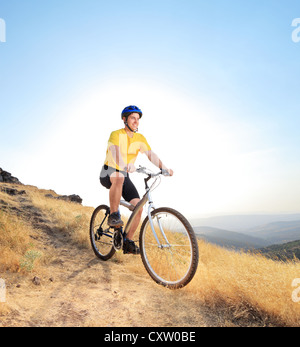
(141, 169)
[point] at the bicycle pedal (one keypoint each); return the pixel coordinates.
(98, 235)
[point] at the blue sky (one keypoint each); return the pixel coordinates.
(217, 81)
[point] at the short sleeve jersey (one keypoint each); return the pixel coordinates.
(129, 147)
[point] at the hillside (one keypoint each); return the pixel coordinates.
(229, 239)
(53, 278)
(243, 223)
(286, 251)
(277, 232)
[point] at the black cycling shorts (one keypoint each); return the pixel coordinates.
(129, 191)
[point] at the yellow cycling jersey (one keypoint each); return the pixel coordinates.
(129, 147)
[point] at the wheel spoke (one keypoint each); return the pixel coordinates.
(174, 261)
(100, 235)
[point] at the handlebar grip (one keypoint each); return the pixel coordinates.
(164, 172)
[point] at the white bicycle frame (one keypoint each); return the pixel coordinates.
(135, 209)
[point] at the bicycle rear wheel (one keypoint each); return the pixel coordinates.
(101, 235)
(174, 260)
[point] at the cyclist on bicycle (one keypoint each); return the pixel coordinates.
(122, 151)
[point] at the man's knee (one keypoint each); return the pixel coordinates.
(117, 178)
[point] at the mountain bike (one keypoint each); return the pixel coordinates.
(168, 245)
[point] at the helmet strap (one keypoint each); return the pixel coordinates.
(134, 131)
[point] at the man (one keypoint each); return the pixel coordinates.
(123, 148)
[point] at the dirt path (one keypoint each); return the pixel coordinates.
(77, 289)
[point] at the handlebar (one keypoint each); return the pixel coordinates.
(147, 172)
(150, 175)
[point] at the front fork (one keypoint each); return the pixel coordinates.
(150, 208)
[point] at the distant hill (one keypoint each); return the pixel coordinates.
(290, 250)
(229, 239)
(277, 232)
(259, 237)
(242, 223)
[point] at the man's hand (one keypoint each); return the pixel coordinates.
(130, 168)
(170, 171)
(167, 172)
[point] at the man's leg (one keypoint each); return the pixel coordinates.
(129, 245)
(115, 192)
(131, 195)
(136, 220)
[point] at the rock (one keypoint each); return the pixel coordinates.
(8, 178)
(13, 191)
(36, 280)
(72, 198)
(49, 196)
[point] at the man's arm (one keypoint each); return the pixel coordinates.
(153, 157)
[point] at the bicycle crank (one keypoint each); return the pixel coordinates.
(118, 240)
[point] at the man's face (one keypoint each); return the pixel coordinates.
(133, 121)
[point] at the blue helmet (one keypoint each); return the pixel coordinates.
(131, 109)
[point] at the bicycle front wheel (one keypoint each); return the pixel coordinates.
(101, 235)
(170, 255)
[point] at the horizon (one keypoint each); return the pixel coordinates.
(243, 223)
(217, 83)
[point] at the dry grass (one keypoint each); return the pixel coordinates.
(68, 217)
(243, 286)
(252, 287)
(248, 289)
(14, 242)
